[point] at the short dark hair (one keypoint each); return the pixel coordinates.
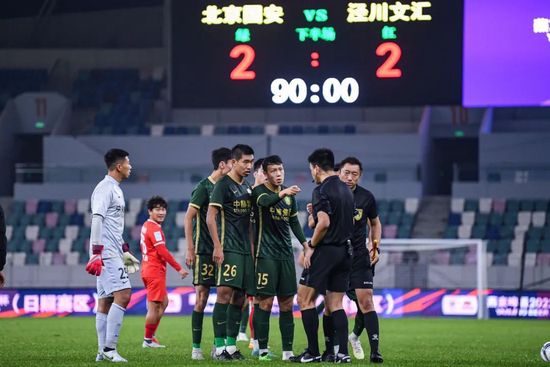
(241, 149)
(272, 159)
(156, 201)
(258, 164)
(352, 160)
(222, 154)
(323, 157)
(113, 156)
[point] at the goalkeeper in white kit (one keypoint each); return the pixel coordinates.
(110, 259)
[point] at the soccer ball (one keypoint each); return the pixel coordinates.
(545, 352)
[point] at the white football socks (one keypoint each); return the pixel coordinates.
(114, 323)
(101, 329)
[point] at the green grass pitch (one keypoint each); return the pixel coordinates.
(71, 341)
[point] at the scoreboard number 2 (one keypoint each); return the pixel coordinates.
(388, 69)
(241, 72)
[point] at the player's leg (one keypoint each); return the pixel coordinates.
(266, 284)
(310, 320)
(201, 292)
(115, 281)
(234, 313)
(337, 285)
(286, 290)
(155, 309)
(364, 298)
(155, 297)
(286, 325)
(312, 282)
(261, 325)
(359, 322)
(219, 318)
(204, 277)
(231, 275)
(340, 320)
(358, 326)
(330, 337)
(103, 306)
(253, 301)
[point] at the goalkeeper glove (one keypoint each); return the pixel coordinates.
(130, 262)
(96, 262)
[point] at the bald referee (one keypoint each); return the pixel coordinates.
(327, 257)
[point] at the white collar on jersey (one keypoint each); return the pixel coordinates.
(112, 179)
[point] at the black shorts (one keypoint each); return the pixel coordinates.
(329, 270)
(361, 276)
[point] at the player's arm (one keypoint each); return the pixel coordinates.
(266, 200)
(375, 233)
(165, 255)
(192, 212)
(321, 228)
(96, 262)
(211, 216)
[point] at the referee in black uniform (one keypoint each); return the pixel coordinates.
(327, 258)
(362, 269)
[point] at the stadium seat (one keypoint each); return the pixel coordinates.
(45, 258)
(545, 246)
(390, 231)
(541, 205)
(450, 232)
(539, 219)
(52, 245)
(135, 233)
(83, 206)
(468, 218)
(58, 259)
(51, 219)
(500, 259)
(524, 218)
(533, 245)
(44, 206)
(70, 206)
(455, 219)
(485, 205)
(179, 219)
(72, 258)
(543, 259)
(32, 259)
(530, 259)
(411, 205)
(31, 206)
(31, 232)
(457, 205)
(464, 231)
(499, 205)
(512, 206)
(19, 258)
(479, 231)
(471, 205)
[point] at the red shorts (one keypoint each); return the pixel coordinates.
(156, 288)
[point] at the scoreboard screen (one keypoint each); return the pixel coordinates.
(309, 53)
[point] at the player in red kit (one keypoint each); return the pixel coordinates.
(155, 255)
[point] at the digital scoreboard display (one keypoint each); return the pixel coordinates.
(309, 53)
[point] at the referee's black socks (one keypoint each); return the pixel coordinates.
(371, 324)
(340, 321)
(328, 330)
(310, 319)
